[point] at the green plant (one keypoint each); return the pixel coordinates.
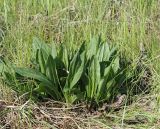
(91, 73)
(104, 74)
(51, 71)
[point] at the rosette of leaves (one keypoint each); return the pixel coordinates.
(92, 72)
(103, 74)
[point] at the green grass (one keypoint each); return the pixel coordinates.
(128, 25)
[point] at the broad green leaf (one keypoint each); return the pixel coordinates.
(51, 71)
(51, 90)
(38, 44)
(31, 73)
(93, 76)
(53, 51)
(63, 54)
(113, 53)
(92, 48)
(100, 52)
(41, 61)
(79, 71)
(76, 69)
(115, 64)
(106, 52)
(104, 65)
(101, 90)
(103, 52)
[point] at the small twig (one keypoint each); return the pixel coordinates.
(21, 96)
(71, 108)
(24, 104)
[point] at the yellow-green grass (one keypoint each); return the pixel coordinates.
(126, 23)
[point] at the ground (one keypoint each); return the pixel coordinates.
(127, 24)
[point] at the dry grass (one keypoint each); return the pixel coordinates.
(51, 114)
(71, 21)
